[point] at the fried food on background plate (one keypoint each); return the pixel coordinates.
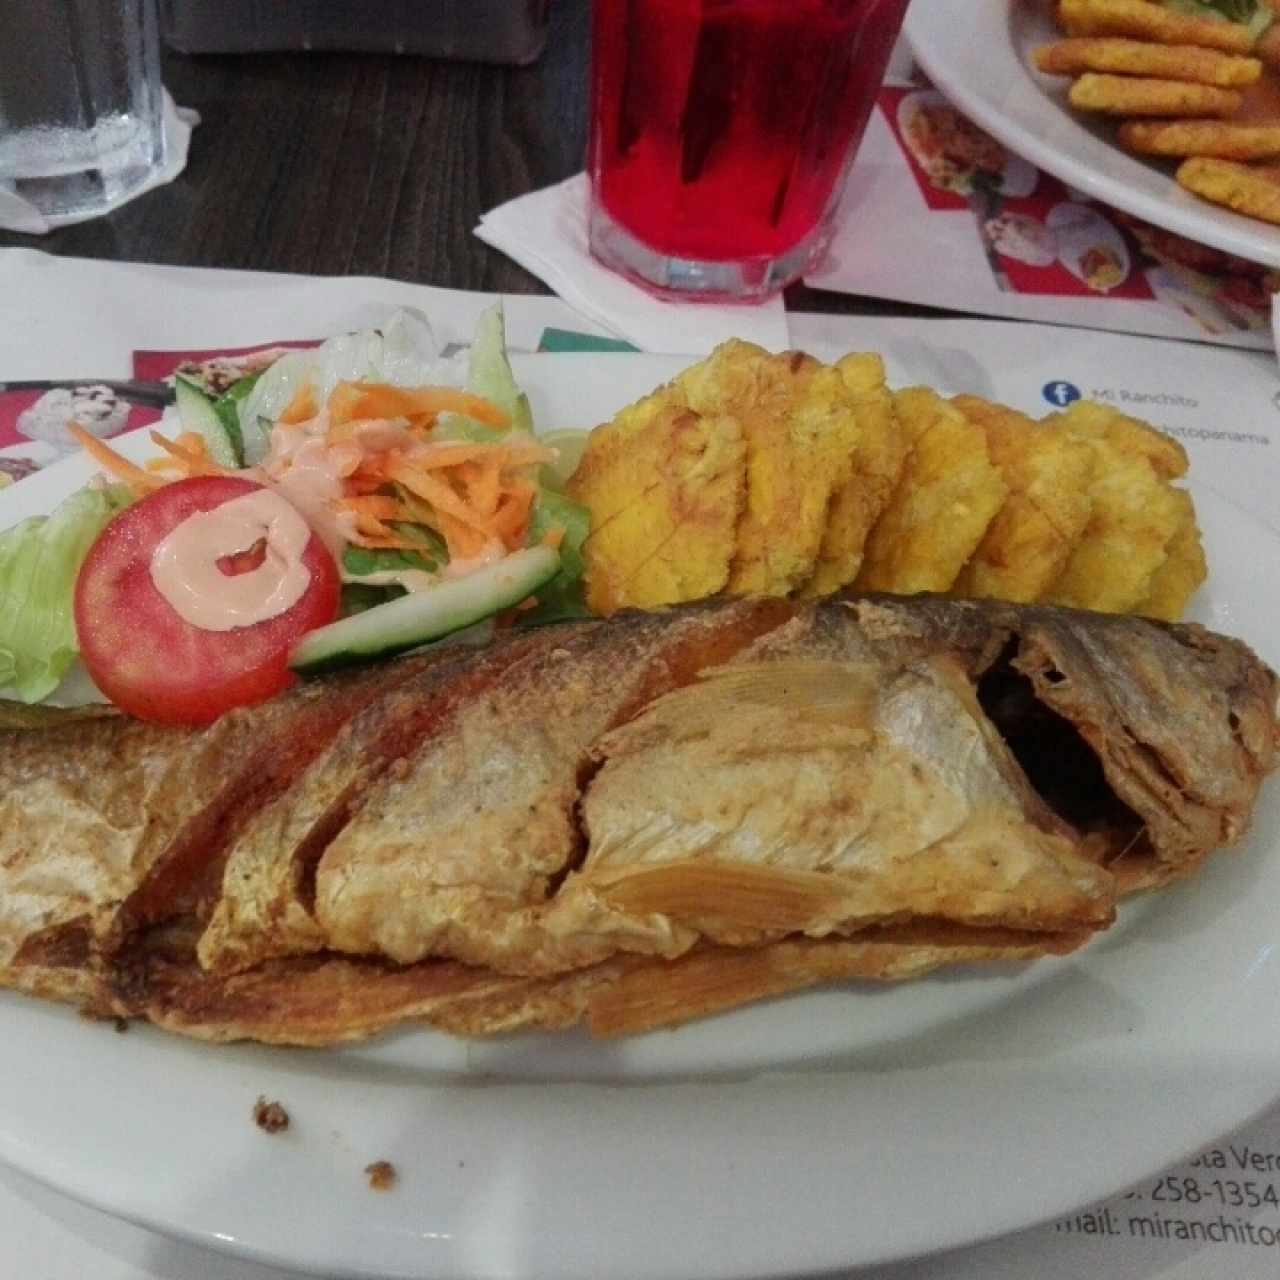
(1143, 20)
(948, 493)
(1184, 569)
(878, 456)
(1139, 58)
(1135, 96)
(665, 487)
(1049, 473)
(1134, 516)
(1217, 138)
(800, 433)
(1251, 191)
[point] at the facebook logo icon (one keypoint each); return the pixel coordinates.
(1060, 393)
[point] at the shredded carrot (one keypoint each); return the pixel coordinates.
(511, 520)
(193, 460)
(302, 407)
(195, 443)
(342, 402)
(482, 485)
(463, 541)
(506, 455)
(137, 478)
(436, 491)
(553, 536)
(381, 505)
(378, 400)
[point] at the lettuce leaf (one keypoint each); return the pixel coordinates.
(402, 352)
(489, 374)
(39, 561)
(562, 598)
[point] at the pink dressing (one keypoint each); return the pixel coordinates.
(185, 570)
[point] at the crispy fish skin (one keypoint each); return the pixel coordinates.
(800, 438)
(1132, 96)
(1128, 692)
(1237, 186)
(124, 819)
(264, 910)
(877, 460)
(455, 853)
(947, 494)
(666, 489)
(1027, 546)
(852, 814)
(1182, 726)
(1118, 56)
(326, 1000)
(1223, 140)
(1143, 20)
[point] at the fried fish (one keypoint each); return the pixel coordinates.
(628, 823)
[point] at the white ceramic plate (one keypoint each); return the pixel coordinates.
(978, 52)
(851, 1125)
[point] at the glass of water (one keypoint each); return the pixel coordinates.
(81, 108)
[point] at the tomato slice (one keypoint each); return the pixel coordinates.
(151, 661)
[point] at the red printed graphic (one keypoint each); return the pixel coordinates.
(1040, 238)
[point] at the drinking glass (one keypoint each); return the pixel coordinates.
(722, 132)
(81, 120)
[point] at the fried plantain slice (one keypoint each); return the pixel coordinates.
(800, 433)
(1099, 421)
(665, 488)
(1183, 571)
(878, 456)
(1119, 56)
(1146, 21)
(1134, 96)
(1220, 139)
(1049, 473)
(948, 493)
(1134, 515)
(1253, 192)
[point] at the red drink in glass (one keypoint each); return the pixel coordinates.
(722, 131)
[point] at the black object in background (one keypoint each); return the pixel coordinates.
(502, 31)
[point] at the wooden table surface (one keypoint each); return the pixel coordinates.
(360, 164)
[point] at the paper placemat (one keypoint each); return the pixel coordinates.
(1213, 1219)
(938, 212)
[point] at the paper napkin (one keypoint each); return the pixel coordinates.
(17, 214)
(546, 233)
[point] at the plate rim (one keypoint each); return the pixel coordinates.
(754, 1256)
(1203, 222)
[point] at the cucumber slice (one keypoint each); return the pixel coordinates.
(414, 619)
(198, 414)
